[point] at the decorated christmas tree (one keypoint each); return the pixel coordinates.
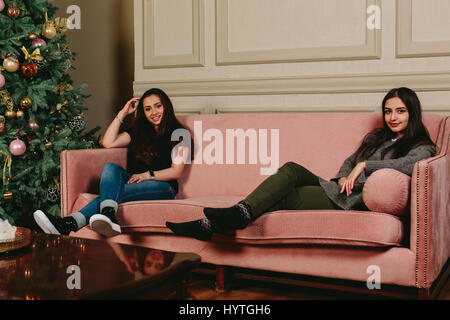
(41, 112)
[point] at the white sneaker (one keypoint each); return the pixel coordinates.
(43, 221)
(103, 225)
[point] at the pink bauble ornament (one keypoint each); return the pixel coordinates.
(33, 125)
(38, 43)
(17, 147)
(2, 5)
(2, 79)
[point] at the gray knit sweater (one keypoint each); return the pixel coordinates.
(404, 164)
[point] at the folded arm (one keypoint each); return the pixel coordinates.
(179, 158)
(404, 164)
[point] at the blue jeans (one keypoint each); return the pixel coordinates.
(114, 190)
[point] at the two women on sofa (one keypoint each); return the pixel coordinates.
(151, 174)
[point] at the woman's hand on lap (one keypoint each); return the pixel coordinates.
(139, 177)
(349, 182)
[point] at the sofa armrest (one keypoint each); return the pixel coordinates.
(430, 212)
(81, 171)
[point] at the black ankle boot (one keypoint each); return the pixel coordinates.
(110, 213)
(55, 225)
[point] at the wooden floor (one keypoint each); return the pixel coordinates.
(202, 287)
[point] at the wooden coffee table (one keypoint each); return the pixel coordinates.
(61, 267)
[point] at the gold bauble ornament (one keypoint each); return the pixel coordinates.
(11, 64)
(2, 124)
(7, 195)
(10, 114)
(48, 145)
(20, 114)
(49, 31)
(33, 36)
(25, 102)
(13, 12)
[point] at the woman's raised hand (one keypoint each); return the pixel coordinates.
(130, 107)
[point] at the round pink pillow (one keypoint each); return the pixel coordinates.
(387, 191)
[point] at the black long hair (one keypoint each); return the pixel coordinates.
(415, 132)
(146, 137)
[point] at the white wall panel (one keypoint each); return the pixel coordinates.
(172, 33)
(283, 31)
(292, 55)
(423, 28)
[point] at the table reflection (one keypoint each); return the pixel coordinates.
(41, 270)
(142, 261)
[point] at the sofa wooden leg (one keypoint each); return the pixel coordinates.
(423, 294)
(221, 277)
(437, 287)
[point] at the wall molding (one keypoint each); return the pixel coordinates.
(196, 59)
(179, 111)
(296, 109)
(352, 83)
(436, 108)
(320, 109)
(371, 49)
(185, 110)
(406, 47)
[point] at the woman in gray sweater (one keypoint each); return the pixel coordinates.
(399, 144)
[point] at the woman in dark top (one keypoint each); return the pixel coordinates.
(151, 174)
(399, 144)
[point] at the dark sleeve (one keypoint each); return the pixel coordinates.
(130, 131)
(346, 167)
(404, 164)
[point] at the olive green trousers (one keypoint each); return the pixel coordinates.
(292, 187)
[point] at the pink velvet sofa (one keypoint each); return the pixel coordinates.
(406, 236)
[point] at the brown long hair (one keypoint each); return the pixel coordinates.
(147, 139)
(415, 133)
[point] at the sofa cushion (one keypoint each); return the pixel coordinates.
(332, 227)
(387, 190)
(151, 216)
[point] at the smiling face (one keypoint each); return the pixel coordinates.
(153, 262)
(396, 116)
(153, 110)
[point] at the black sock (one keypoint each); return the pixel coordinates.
(235, 217)
(202, 229)
(71, 223)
